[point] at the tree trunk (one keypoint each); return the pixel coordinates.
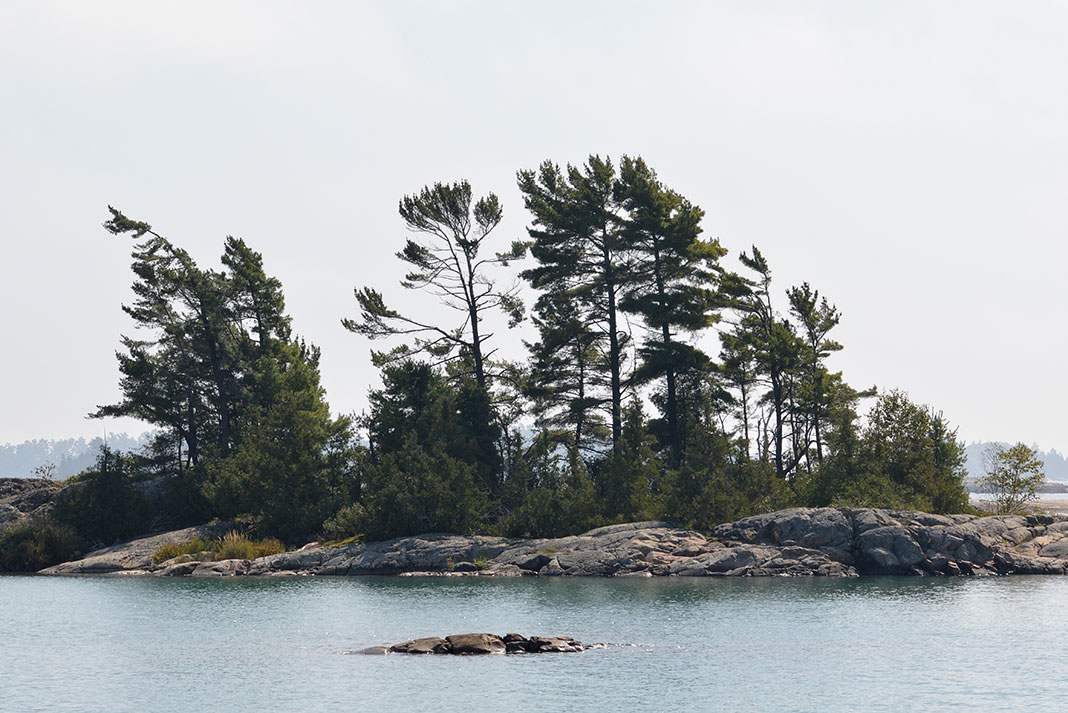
(614, 352)
(672, 401)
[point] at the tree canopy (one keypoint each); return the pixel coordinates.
(1014, 475)
(242, 417)
(661, 383)
(449, 262)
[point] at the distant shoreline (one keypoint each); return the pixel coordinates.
(1053, 507)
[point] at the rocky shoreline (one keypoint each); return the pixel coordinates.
(802, 542)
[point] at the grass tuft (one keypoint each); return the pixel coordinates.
(347, 541)
(232, 545)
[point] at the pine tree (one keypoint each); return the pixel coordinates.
(816, 318)
(565, 384)
(670, 283)
(776, 353)
(183, 377)
(578, 248)
(449, 263)
(222, 374)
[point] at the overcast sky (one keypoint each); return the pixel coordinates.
(907, 159)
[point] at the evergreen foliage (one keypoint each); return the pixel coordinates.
(432, 453)
(579, 248)
(38, 542)
(626, 293)
(104, 506)
(551, 493)
(450, 264)
(670, 277)
(628, 479)
(244, 425)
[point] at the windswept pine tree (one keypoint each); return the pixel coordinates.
(449, 261)
(182, 378)
(236, 397)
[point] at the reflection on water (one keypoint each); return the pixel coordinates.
(708, 644)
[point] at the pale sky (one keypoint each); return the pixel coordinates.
(907, 159)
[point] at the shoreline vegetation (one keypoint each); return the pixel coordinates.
(661, 384)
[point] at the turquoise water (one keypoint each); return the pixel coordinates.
(869, 644)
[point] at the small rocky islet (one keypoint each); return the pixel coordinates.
(831, 542)
(477, 644)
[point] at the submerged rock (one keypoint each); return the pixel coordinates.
(370, 651)
(429, 645)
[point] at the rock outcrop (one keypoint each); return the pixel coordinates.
(22, 497)
(480, 644)
(136, 555)
(797, 542)
(433, 552)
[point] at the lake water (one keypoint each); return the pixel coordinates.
(868, 644)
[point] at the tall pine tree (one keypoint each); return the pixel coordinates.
(578, 247)
(671, 276)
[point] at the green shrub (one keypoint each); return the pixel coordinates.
(102, 505)
(37, 542)
(348, 522)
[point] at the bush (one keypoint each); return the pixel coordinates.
(415, 491)
(1013, 475)
(102, 505)
(907, 457)
(348, 522)
(554, 512)
(37, 542)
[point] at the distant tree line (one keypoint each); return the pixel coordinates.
(68, 455)
(1054, 463)
(619, 411)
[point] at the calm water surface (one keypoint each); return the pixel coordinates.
(869, 644)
